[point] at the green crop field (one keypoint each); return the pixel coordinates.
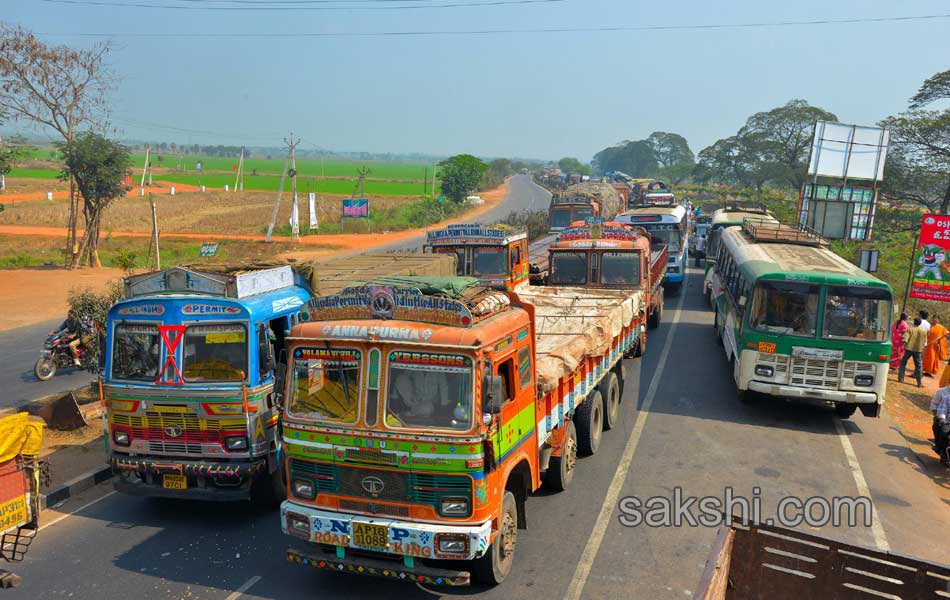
(33, 174)
(328, 168)
(304, 184)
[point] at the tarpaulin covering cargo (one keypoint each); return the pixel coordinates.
(20, 435)
(575, 323)
(605, 194)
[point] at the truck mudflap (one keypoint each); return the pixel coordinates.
(203, 480)
(389, 568)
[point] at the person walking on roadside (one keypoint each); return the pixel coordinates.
(897, 340)
(940, 407)
(924, 315)
(936, 352)
(914, 341)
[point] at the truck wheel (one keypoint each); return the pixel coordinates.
(560, 471)
(610, 392)
(590, 424)
(653, 321)
(45, 368)
(845, 410)
(494, 565)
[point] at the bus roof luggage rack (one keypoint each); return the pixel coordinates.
(767, 230)
(228, 281)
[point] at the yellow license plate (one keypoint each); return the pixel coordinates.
(767, 347)
(13, 513)
(174, 482)
(371, 536)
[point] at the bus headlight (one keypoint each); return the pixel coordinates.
(864, 380)
(121, 437)
(673, 270)
(236, 443)
(764, 370)
(452, 543)
(454, 507)
(303, 489)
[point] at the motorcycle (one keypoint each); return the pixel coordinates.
(945, 455)
(56, 355)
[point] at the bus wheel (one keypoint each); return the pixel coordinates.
(745, 396)
(610, 392)
(590, 424)
(560, 471)
(716, 326)
(493, 567)
(844, 410)
(707, 293)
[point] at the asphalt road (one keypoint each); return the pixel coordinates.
(19, 348)
(681, 427)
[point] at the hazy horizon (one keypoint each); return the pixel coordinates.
(529, 95)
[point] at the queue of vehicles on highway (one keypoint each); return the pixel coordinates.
(404, 416)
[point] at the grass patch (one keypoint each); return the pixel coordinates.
(34, 174)
(274, 166)
(304, 184)
(397, 217)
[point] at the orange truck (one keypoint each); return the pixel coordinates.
(496, 256)
(421, 413)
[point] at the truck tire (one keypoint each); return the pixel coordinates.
(610, 391)
(844, 410)
(653, 321)
(560, 471)
(495, 565)
(589, 417)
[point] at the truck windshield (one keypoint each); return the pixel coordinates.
(620, 268)
(569, 268)
(429, 391)
(561, 218)
(326, 384)
(489, 261)
(783, 307)
(855, 312)
(135, 352)
(215, 352)
(582, 213)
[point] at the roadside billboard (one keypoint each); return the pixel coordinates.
(848, 151)
(931, 270)
(355, 208)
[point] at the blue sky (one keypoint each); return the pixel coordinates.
(516, 94)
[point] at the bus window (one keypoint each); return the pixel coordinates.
(620, 268)
(569, 268)
(488, 261)
(785, 308)
(855, 312)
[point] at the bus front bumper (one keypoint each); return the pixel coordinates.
(788, 391)
(407, 542)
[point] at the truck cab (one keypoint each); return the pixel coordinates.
(566, 209)
(190, 382)
(496, 256)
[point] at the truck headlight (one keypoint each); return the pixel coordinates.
(303, 489)
(298, 525)
(764, 371)
(236, 443)
(452, 543)
(121, 437)
(864, 380)
(454, 507)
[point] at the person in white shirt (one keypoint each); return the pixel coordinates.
(924, 323)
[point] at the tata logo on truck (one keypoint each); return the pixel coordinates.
(372, 485)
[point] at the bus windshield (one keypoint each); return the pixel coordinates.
(620, 268)
(489, 261)
(430, 391)
(784, 307)
(569, 268)
(215, 352)
(326, 384)
(855, 312)
(666, 234)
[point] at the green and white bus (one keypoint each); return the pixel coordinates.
(797, 321)
(730, 215)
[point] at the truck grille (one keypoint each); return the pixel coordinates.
(359, 482)
(190, 429)
(174, 448)
(815, 373)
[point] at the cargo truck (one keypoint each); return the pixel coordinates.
(421, 414)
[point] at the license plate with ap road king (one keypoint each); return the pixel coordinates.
(373, 537)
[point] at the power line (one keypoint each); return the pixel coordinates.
(196, 132)
(296, 8)
(451, 33)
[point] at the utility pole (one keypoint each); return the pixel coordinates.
(158, 256)
(295, 212)
(239, 179)
(291, 146)
(145, 167)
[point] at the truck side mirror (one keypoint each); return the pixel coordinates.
(492, 394)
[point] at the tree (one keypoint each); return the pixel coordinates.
(57, 87)
(572, 165)
(783, 137)
(636, 159)
(495, 174)
(670, 149)
(677, 173)
(460, 175)
(98, 166)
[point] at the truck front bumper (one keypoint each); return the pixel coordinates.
(407, 541)
(788, 391)
(142, 476)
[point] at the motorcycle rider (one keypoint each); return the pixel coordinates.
(81, 328)
(940, 407)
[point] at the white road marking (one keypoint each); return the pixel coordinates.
(877, 528)
(83, 507)
(244, 588)
(623, 467)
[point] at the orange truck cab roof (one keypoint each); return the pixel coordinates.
(607, 235)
